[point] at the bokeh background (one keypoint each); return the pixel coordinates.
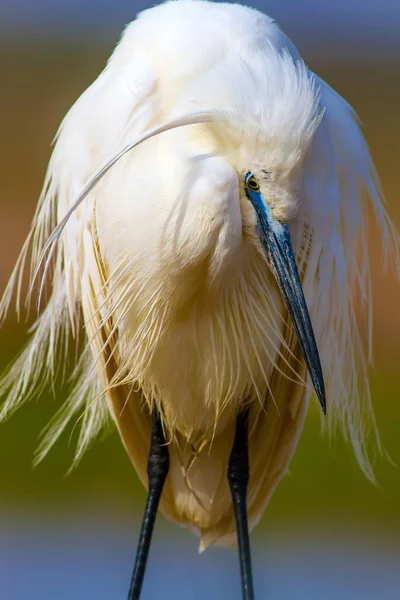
(328, 533)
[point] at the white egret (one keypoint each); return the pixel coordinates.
(183, 184)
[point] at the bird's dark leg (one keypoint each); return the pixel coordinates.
(238, 475)
(157, 470)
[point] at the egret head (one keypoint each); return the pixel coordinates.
(269, 112)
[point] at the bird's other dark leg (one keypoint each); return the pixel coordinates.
(157, 470)
(238, 476)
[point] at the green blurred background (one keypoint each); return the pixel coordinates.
(327, 532)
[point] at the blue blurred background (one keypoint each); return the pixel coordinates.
(327, 532)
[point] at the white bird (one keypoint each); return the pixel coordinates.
(182, 185)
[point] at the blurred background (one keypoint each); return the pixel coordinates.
(327, 533)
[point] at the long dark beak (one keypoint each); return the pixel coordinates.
(275, 238)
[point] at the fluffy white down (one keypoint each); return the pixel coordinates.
(193, 303)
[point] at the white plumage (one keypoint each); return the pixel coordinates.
(161, 262)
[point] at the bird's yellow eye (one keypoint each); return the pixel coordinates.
(253, 184)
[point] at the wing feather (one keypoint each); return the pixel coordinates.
(122, 102)
(340, 187)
